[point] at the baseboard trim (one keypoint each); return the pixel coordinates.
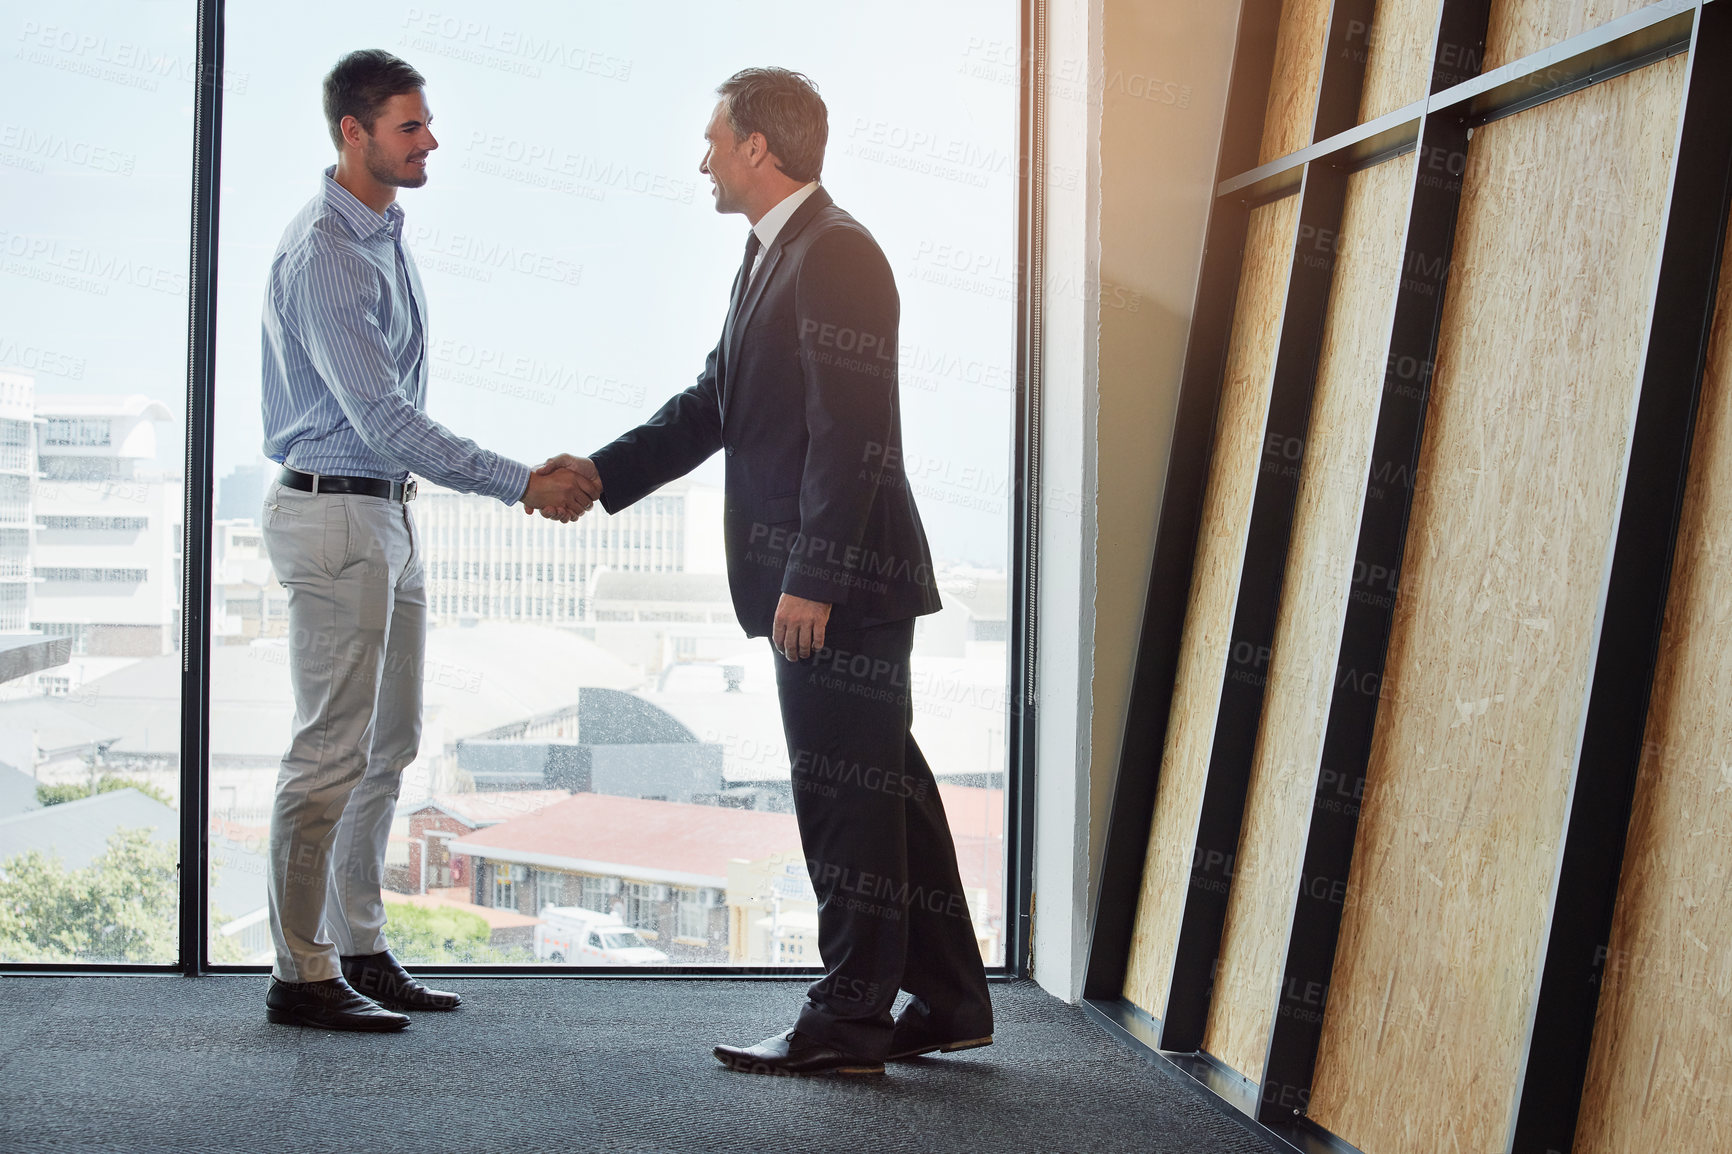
(1226, 1089)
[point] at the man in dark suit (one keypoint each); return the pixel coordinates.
(827, 556)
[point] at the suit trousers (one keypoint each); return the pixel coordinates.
(892, 913)
(357, 641)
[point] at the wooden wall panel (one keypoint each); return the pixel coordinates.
(1233, 471)
(1661, 1073)
(1299, 48)
(1399, 54)
(1313, 602)
(1521, 27)
(1513, 514)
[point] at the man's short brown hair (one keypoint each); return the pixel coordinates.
(360, 85)
(786, 108)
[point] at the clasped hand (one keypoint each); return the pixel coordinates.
(562, 488)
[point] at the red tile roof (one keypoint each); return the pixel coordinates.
(658, 841)
(680, 844)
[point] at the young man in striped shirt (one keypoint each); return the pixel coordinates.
(344, 393)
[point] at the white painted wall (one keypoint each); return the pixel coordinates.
(1136, 97)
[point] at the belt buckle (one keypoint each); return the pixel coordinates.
(408, 491)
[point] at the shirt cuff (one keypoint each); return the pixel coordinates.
(508, 481)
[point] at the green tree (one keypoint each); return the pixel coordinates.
(107, 783)
(120, 908)
(423, 934)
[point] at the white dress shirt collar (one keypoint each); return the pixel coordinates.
(770, 225)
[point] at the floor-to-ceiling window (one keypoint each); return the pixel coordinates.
(95, 166)
(601, 738)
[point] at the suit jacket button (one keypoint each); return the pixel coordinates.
(729, 450)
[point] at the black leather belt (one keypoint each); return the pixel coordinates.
(363, 486)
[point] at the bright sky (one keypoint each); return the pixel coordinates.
(576, 269)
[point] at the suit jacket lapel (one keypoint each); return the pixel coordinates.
(773, 257)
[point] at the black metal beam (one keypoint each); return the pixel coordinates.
(1334, 818)
(1252, 637)
(1342, 84)
(1458, 54)
(1133, 803)
(1248, 86)
(1021, 721)
(1681, 318)
(1314, 933)
(196, 514)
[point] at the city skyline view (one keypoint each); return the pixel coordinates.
(575, 274)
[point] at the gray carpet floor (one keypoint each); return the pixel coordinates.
(558, 1065)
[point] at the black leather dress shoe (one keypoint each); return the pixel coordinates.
(328, 1005)
(791, 1053)
(915, 1036)
(382, 978)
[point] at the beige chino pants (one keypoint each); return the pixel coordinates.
(357, 639)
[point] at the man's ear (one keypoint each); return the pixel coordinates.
(758, 149)
(353, 134)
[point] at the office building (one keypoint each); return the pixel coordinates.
(106, 557)
(489, 562)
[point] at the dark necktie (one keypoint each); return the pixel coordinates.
(752, 247)
(738, 299)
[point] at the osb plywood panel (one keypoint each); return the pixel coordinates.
(1337, 456)
(1661, 1073)
(1398, 49)
(1521, 27)
(1512, 522)
(1233, 469)
(1293, 87)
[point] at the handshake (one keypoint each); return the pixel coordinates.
(562, 488)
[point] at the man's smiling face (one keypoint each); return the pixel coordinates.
(395, 151)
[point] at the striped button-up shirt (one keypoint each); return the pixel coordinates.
(345, 364)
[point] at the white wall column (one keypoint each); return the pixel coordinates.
(1136, 97)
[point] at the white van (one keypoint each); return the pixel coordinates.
(584, 937)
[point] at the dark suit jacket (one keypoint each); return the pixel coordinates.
(801, 395)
